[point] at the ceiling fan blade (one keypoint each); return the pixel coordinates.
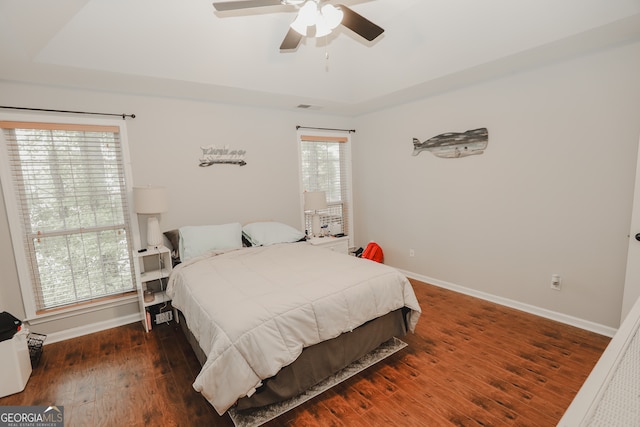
(359, 24)
(244, 4)
(291, 40)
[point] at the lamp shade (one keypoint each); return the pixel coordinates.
(315, 200)
(150, 200)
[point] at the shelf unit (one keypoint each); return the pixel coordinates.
(154, 268)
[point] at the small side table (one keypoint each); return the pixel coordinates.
(154, 267)
(336, 244)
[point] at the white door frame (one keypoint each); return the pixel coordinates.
(632, 278)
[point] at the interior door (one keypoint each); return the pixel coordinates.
(632, 279)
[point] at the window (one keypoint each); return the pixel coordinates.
(325, 165)
(70, 216)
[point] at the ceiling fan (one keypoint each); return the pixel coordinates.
(318, 14)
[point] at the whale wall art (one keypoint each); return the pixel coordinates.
(454, 144)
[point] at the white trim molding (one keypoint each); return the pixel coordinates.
(77, 311)
(604, 382)
(538, 311)
(92, 328)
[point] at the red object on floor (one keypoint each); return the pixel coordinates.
(373, 251)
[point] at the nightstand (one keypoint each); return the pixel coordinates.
(153, 268)
(336, 244)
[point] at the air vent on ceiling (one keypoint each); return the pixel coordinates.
(308, 107)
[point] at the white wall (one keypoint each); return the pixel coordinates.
(551, 194)
(164, 141)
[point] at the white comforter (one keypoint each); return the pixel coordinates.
(253, 310)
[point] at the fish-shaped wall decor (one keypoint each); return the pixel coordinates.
(454, 144)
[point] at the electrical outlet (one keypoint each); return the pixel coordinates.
(556, 282)
(412, 252)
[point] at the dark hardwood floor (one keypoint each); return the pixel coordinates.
(470, 363)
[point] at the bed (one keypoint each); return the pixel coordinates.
(270, 320)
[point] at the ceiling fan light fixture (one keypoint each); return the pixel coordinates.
(309, 12)
(307, 17)
(322, 27)
(299, 26)
(332, 15)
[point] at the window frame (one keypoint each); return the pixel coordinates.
(16, 229)
(329, 136)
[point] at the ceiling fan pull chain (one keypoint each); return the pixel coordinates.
(326, 54)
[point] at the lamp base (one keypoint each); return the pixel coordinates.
(315, 225)
(154, 237)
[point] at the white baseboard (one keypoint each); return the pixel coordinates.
(542, 312)
(92, 327)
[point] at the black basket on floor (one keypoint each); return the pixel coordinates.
(35, 342)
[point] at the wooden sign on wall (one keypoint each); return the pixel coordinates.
(212, 155)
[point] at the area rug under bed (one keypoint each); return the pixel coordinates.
(259, 416)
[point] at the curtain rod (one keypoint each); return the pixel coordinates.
(123, 115)
(343, 130)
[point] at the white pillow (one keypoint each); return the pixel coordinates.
(198, 240)
(270, 233)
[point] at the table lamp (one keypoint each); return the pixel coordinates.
(151, 201)
(315, 201)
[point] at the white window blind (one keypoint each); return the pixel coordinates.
(325, 165)
(69, 186)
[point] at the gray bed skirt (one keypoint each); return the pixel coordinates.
(319, 361)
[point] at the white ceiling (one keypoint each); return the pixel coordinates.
(181, 48)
